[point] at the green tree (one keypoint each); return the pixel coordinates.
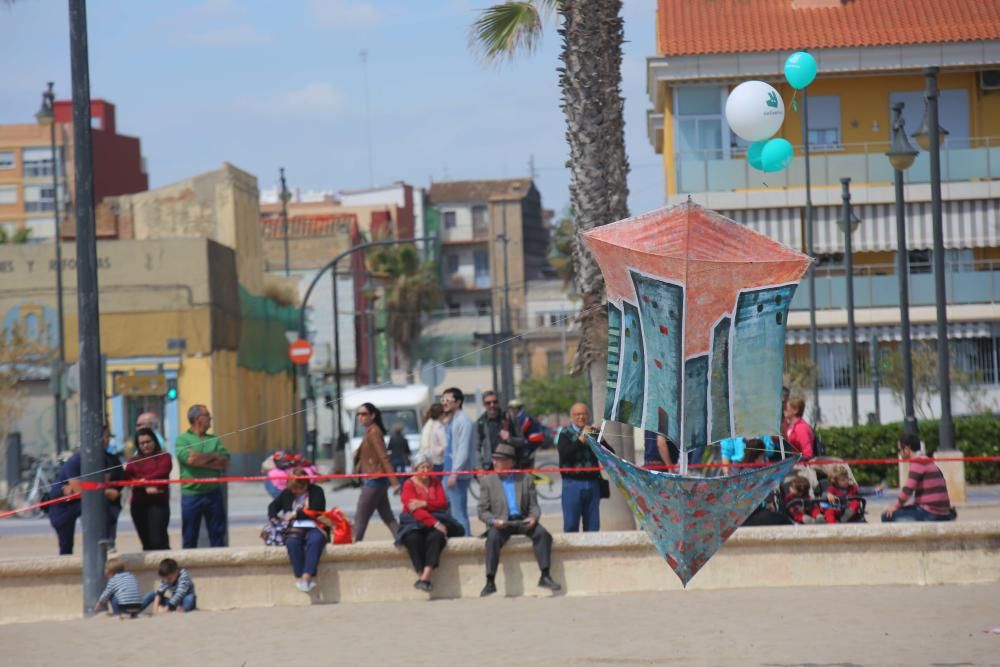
(923, 357)
(18, 237)
(412, 289)
(554, 395)
(592, 34)
(561, 245)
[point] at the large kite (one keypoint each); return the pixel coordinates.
(697, 310)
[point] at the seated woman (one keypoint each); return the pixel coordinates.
(424, 523)
(303, 539)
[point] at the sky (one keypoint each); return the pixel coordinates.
(264, 84)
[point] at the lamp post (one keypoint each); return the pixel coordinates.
(813, 345)
(370, 291)
(506, 360)
(927, 137)
(285, 196)
(848, 223)
(901, 156)
(46, 116)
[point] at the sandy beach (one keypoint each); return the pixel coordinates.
(939, 625)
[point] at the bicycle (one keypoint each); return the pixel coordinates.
(545, 486)
(36, 480)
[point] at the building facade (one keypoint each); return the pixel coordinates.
(870, 57)
(27, 195)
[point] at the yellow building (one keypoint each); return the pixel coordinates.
(182, 299)
(871, 55)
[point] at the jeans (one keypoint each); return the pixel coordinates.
(130, 609)
(189, 603)
(458, 500)
(581, 500)
(210, 505)
(271, 489)
(304, 551)
(915, 513)
(151, 521)
(63, 519)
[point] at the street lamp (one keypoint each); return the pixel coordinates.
(901, 156)
(46, 116)
(370, 292)
(285, 197)
(848, 223)
(946, 430)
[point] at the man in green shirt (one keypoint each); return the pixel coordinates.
(201, 456)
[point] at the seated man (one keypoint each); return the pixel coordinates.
(925, 485)
(508, 505)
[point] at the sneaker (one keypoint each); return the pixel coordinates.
(302, 586)
(489, 589)
(424, 586)
(309, 585)
(548, 582)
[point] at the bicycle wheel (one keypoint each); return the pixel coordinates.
(546, 488)
(20, 497)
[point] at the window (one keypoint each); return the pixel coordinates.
(38, 161)
(8, 194)
(699, 122)
(824, 121)
(920, 261)
(449, 220)
(482, 307)
(454, 309)
(554, 362)
(481, 258)
(451, 262)
(40, 198)
(479, 216)
(953, 110)
(6, 159)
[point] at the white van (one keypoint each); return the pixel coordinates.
(399, 404)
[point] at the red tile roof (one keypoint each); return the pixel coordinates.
(307, 226)
(695, 27)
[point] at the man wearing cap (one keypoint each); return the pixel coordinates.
(508, 505)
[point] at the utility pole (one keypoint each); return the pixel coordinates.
(285, 196)
(91, 396)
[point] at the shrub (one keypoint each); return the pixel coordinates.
(974, 436)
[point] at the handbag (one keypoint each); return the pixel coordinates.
(335, 523)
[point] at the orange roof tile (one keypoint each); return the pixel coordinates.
(307, 226)
(696, 27)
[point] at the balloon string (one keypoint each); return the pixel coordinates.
(795, 102)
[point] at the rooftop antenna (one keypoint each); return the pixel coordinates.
(368, 121)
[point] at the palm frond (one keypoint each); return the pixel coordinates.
(504, 30)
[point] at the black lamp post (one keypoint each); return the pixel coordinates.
(901, 156)
(848, 223)
(46, 116)
(925, 136)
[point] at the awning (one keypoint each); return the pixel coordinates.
(967, 224)
(784, 225)
(890, 332)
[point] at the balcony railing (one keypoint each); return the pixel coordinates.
(969, 159)
(878, 287)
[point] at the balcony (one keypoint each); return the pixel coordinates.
(962, 160)
(877, 286)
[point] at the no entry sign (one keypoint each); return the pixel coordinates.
(300, 352)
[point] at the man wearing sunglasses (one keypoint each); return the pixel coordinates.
(492, 429)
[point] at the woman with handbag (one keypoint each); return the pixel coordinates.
(425, 525)
(304, 539)
(372, 459)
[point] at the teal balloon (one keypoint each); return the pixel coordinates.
(755, 155)
(777, 155)
(800, 70)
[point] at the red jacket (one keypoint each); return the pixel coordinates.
(800, 437)
(433, 493)
(157, 466)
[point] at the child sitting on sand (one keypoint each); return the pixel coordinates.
(122, 591)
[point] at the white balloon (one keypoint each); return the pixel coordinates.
(754, 110)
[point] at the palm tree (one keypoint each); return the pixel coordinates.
(590, 78)
(413, 288)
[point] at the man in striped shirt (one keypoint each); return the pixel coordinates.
(925, 485)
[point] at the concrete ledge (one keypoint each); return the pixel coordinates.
(585, 563)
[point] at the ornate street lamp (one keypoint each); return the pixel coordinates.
(848, 223)
(46, 117)
(901, 156)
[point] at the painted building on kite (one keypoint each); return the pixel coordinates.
(871, 55)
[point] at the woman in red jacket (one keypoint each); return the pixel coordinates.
(799, 434)
(150, 504)
(423, 528)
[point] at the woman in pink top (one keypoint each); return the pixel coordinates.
(799, 434)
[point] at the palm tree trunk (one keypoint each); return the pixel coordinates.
(593, 34)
